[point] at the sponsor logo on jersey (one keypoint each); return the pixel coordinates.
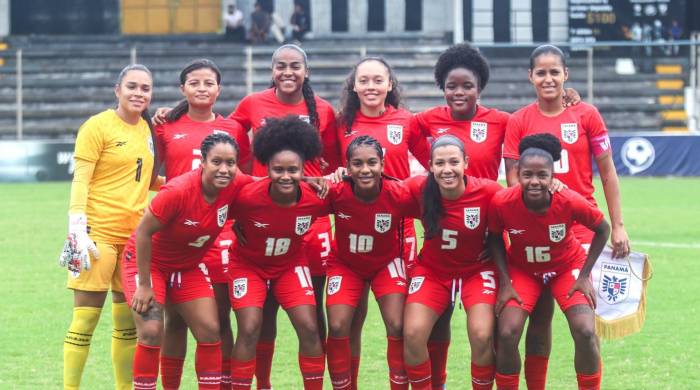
(240, 287)
(221, 215)
(569, 132)
(179, 136)
(343, 216)
(382, 222)
(302, 225)
(516, 231)
(442, 130)
(614, 282)
(260, 224)
(416, 284)
(394, 133)
(305, 118)
(479, 131)
(189, 222)
(488, 292)
(350, 133)
(472, 217)
(557, 232)
(122, 143)
(334, 284)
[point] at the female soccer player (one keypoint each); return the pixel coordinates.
(368, 209)
(453, 209)
(163, 264)
(583, 137)
(291, 93)
(179, 138)
(544, 251)
(114, 164)
(273, 216)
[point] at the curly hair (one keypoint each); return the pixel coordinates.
(350, 102)
(287, 133)
(542, 145)
(465, 56)
(183, 106)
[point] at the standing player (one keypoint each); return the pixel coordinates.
(163, 264)
(273, 216)
(368, 210)
(544, 251)
(583, 137)
(179, 138)
(291, 93)
(450, 267)
(114, 165)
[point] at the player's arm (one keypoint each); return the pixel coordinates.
(143, 297)
(506, 292)
(511, 171)
(611, 187)
(583, 282)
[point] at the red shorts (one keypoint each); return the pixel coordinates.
(529, 285)
(437, 292)
(345, 286)
(248, 289)
(168, 286)
(318, 246)
(216, 258)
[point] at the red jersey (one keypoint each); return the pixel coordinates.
(274, 234)
(190, 224)
(254, 108)
(179, 142)
(455, 250)
(577, 127)
(482, 136)
(395, 134)
(541, 242)
(367, 234)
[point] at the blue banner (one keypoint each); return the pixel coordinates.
(656, 154)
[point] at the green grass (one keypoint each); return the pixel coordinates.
(36, 307)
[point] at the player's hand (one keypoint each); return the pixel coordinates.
(71, 259)
(159, 117)
(84, 246)
(620, 242)
(337, 176)
(320, 184)
(570, 97)
(506, 293)
(238, 231)
(323, 164)
(585, 287)
(143, 299)
(556, 186)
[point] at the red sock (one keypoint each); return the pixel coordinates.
(536, 371)
(242, 374)
(264, 352)
(507, 381)
(225, 374)
(437, 350)
(207, 364)
(482, 377)
(355, 369)
(394, 356)
(339, 362)
(588, 381)
(419, 376)
(171, 372)
(146, 359)
(312, 370)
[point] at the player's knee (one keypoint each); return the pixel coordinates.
(584, 333)
(394, 326)
(481, 339)
(414, 337)
(249, 328)
(338, 327)
(508, 334)
(207, 331)
(150, 333)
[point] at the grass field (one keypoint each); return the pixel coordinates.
(661, 216)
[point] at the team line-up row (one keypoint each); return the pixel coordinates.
(185, 264)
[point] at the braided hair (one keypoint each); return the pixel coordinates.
(217, 138)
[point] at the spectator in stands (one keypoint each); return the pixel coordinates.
(675, 32)
(233, 21)
(260, 24)
(299, 23)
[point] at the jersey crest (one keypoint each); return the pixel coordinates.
(479, 131)
(472, 217)
(221, 215)
(614, 282)
(394, 133)
(302, 225)
(569, 132)
(382, 222)
(334, 284)
(416, 284)
(557, 232)
(240, 287)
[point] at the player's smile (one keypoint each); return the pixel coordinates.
(461, 93)
(372, 84)
(548, 76)
(289, 71)
(447, 164)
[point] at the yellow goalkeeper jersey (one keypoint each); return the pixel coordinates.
(118, 191)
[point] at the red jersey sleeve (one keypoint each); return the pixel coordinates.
(159, 132)
(413, 196)
(418, 144)
(331, 145)
(494, 216)
(584, 212)
(598, 138)
(241, 136)
(242, 113)
(514, 131)
(165, 205)
(419, 121)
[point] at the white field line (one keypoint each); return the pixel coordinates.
(679, 245)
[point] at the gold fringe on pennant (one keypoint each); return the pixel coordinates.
(625, 326)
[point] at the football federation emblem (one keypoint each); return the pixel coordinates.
(334, 284)
(416, 284)
(557, 232)
(569, 132)
(479, 132)
(240, 287)
(471, 217)
(394, 133)
(614, 282)
(382, 222)
(221, 215)
(303, 224)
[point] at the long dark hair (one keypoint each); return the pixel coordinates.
(183, 106)
(433, 209)
(350, 102)
(306, 91)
